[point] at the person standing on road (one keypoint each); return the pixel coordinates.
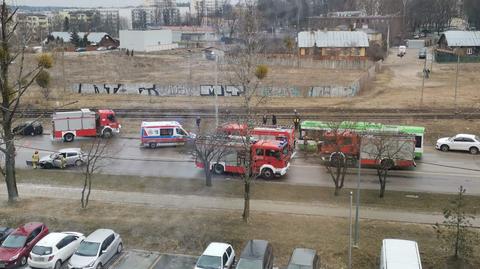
(35, 159)
(296, 121)
(274, 119)
(264, 119)
(198, 121)
(63, 161)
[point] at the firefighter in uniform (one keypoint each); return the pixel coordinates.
(35, 159)
(63, 161)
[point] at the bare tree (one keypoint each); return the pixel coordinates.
(95, 152)
(456, 231)
(245, 71)
(386, 149)
(13, 91)
(208, 150)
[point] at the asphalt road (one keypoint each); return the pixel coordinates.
(436, 172)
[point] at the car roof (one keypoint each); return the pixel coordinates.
(403, 253)
(303, 256)
(70, 150)
(51, 239)
(255, 249)
(27, 228)
(216, 249)
(466, 135)
(99, 235)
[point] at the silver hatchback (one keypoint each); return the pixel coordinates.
(96, 250)
(73, 157)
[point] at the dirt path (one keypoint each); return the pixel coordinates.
(218, 203)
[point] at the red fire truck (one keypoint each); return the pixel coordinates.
(84, 123)
(263, 133)
(269, 158)
(391, 150)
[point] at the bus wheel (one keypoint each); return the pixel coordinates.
(218, 169)
(68, 137)
(267, 173)
(387, 164)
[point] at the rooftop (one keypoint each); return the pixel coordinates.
(332, 39)
(462, 38)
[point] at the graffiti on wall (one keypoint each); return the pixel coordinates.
(212, 90)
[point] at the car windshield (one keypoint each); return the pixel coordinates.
(477, 139)
(41, 250)
(53, 156)
(14, 241)
(249, 264)
(87, 249)
(209, 262)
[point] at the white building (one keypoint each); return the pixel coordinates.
(206, 6)
(147, 41)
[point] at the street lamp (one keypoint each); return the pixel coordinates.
(350, 233)
(404, 15)
(215, 90)
(458, 52)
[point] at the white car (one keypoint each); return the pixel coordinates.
(96, 250)
(54, 249)
(463, 142)
(216, 256)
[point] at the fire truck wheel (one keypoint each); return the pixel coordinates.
(68, 137)
(387, 164)
(218, 169)
(107, 133)
(267, 173)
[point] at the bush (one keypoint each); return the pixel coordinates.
(45, 60)
(261, 71)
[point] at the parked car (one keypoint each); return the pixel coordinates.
(397, 253)
(80, 49)
(257, 254)
(4, 232)
(461, 142)
(17, 246)
(73, 156)
(422, 53)
(29, 128)
(96, 250)
(216, 256)
(304, 258)
(54, 249)
(111, 48)
(101, 49)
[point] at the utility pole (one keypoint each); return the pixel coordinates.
(456, 80)
(357, 203)
(215, 90)
(423, 79)
(350, 234)
(404, 15)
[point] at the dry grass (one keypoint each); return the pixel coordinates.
(185, 231)
(394, 200)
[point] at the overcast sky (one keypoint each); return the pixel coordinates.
(78, 3)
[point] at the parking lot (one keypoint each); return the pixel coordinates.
(140, 259)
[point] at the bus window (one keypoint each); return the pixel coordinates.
(166, 132)
(418, 141)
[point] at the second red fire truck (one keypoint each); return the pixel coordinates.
(84, 123)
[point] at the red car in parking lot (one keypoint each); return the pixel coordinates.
(15, 249)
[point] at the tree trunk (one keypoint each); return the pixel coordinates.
(83, 191)
(382, 178)
(10, 178)
(246, 206)
(89, 190)
(208, 174)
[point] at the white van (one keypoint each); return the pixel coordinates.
(163, 133)
(399, 254)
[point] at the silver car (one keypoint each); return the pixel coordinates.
(73, 157)
(96, 250)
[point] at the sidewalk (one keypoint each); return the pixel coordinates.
(218, 203)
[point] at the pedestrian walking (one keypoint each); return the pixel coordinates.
(131, 53)
(274, 119)
(264, 119)
(198, 121)
(63, 161)
(35, 159)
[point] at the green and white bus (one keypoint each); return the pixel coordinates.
(313, 131)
